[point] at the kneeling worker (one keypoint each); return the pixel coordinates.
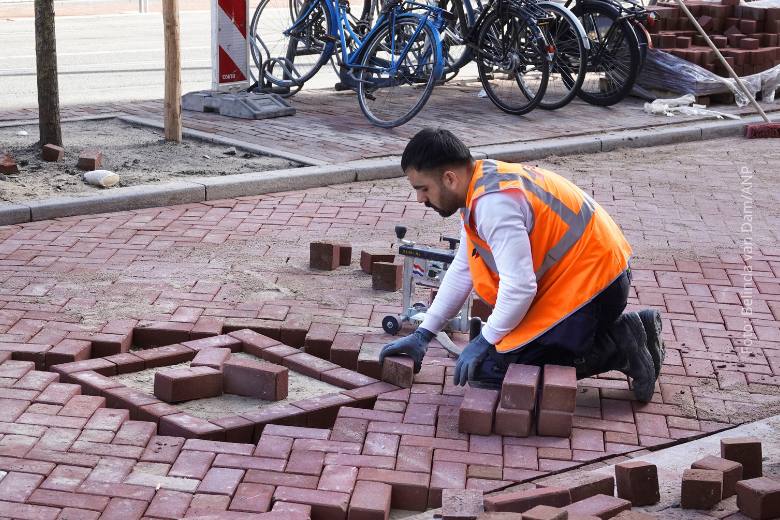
(550, 260)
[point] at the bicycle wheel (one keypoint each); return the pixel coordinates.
(398, 70)
(567, 70)
(453, 38)
(512, 62)
(614, 58)
(291, 40)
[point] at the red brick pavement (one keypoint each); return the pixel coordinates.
(65, 451)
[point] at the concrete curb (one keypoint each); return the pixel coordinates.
(259, 183)
(242, 145)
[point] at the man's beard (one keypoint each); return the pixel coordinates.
(443, 212)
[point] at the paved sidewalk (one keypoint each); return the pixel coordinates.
(243, 262)
(329, 126)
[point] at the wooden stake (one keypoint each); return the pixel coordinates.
(46, 68)
(172, 71)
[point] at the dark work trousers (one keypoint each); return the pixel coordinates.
(569, 340)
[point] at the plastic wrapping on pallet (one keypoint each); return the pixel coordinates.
(664, 71)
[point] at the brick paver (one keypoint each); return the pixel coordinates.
(170, 275)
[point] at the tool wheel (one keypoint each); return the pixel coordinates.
(391, 325)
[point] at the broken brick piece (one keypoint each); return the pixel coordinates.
(52, 153)
(559, 388)
(476, 410)
(185, 384)
(254, 379)
(398, 370)
(386, 276)
(732, 472)
(554, 423)
(515, 423)
(367, 260)
(211, 357)
(345, 254)
(522, 501)
(518, 391)
(746, 451)
(8, 164)
(323, 256)
(90, 160)
(701, 488)
(637, 481)
(461, 504)
(759, 498)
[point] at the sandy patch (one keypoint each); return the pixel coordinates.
(299, 387)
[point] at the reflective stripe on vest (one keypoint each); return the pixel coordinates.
(576, 222)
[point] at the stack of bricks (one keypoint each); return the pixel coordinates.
(746, 36)
(557, 401)
(515, 412)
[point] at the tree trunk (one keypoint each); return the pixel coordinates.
(46, 62)
(172, 71)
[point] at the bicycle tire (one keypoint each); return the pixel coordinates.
(276, 55)
(619, 66)
(489, 59)
(377, 54)
(453, 39)
(567, 70)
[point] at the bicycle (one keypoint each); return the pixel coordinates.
(562, 30)
(393, 65)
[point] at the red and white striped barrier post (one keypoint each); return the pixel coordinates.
(229, 44)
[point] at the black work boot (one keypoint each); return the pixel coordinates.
(622, 347)
(651, 319)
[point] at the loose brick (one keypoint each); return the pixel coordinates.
(346, 378)
(52, 153)
(398, 370)
(518, 391)
(522, 501)
(701, 488)
(345, 349)
(554, 423)
(759, 498)
(732, 472)
(8, 165)
(515, 423)
(324, 256)
(637, 482)
(319, 339)
(559, 388)
(174, 385)
(255, 379)
(461, 504)
(89, 160)
(252, 498)
(211, 357)
(345, 254)
(600, 506)
(476, 411)
(370, 501)
(367, 260)
(386, 276)
(583, 485)
(746, 451)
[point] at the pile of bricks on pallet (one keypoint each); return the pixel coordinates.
(482, 412)
(746, 36)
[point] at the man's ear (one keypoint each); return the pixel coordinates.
(449, 178)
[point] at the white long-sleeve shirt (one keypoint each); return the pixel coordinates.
(503, 219)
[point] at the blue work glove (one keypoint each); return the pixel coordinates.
(414, 345)
(468, 361)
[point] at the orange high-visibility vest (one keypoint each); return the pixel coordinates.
(577, 248)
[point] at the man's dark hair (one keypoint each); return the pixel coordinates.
(433, 149)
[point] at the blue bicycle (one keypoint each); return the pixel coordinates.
(393, 65)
